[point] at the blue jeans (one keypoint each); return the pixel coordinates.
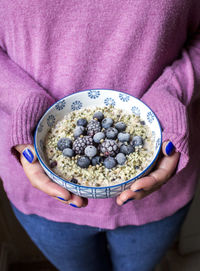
(71, 247)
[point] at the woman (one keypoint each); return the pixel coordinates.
(149, 49)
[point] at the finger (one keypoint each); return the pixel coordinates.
(41, 181)
(160, 175)
(28, 152)
(75, 201)
(168, 148)
(129, 195)
(78, 201)
(146, 185)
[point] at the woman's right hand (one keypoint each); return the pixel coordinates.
(41, 181)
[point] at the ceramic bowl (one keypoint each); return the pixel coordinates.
(96, 97)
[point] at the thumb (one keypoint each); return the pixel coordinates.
(27, 151)
(168, 148)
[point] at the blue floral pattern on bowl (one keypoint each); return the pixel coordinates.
(124, 97)
(76, 105)
(135, 110)
(150, 117)
(51, 120)
(109, 101)
(40, 128)
(99, 97)
(93, 94)
(60, 105)
(158, 142)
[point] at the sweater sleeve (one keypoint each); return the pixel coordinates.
(171, 94)
(23, 99)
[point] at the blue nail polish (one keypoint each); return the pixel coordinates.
(128, 201)
(169, 148)
(73, 205)
(138, 190)
(28, 155)
(61, 199)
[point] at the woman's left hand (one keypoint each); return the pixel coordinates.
(164, 169)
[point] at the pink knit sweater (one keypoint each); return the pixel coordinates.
(150, 49)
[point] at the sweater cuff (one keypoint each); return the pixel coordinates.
(172, 115)
(26, 117)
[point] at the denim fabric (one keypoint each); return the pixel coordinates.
(83, 248)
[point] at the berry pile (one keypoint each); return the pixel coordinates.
(100, 141)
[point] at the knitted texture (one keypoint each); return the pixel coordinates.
(172, 114)
(149, 49)
(26, 117)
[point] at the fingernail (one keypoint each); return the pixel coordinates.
(169, 148)
(138, 190)
(61, 198)
(28, 155)
(73, 205)
(127, 201)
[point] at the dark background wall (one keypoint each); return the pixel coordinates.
(17, 251)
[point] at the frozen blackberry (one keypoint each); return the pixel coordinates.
(107, 123)
(81, 122)
(83, 162)
(90, 151)
(79, 130)
(64, 143)
(111, 133)
(97, 160)
(110, 162)
(127, 149)
(120, 126)
(81, 143)
(93, 127)
(98, 115)
(109, 147)
(98, 137)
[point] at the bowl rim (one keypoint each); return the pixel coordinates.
(99, 187)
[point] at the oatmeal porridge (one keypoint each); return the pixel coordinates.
(99, 146)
